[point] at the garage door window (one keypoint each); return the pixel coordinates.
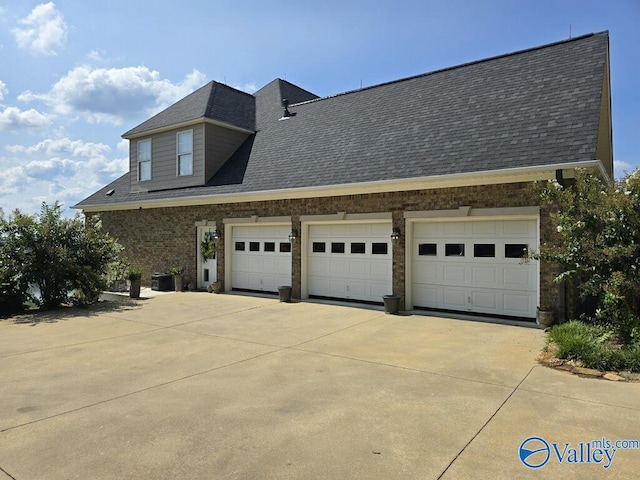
(285, 247)
(484, 250)
(337, 247)
(454, 249)
(379, 248)
(319, 247)
(239, 246)
(358, 247)
(254, 246)
(428, 249)
(269, 246)
(515, 250)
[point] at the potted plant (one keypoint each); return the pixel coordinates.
(216, 287)
(134, 275)
(177, 273)
(545, 315)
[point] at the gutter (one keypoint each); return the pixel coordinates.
(491, 177)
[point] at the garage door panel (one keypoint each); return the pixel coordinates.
(520, 228)
(485, 276)
(354, 272)
(451, 229)
(454, 274)
(359, 269)
(518, 277)
(427, 273)
(493, 282)
(484, 228)
(255, 267)
(454, 298)
(380, 270)
(485, 300)
(337, 267)
(518, 304)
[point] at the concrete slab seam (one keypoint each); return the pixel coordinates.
(7, 473)
(82, 343)
(486, 423)
(163, 384)
(400, 367)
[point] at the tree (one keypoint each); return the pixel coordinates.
(60, 256)
(598, 243)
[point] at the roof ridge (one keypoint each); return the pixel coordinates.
(454, 67)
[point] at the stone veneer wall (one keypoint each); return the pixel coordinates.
(156, 239)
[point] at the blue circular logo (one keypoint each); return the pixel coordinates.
(534, 452)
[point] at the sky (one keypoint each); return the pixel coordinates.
(74, 76)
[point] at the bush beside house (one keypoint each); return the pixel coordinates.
(49, 260)
(597, 247)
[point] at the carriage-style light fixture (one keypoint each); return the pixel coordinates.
(395, 236)
(293, 236)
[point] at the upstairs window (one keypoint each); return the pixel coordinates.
(144, 160)
(185, 153)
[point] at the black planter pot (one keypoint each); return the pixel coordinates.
(134, 289)
(285, 294)
(391, 304)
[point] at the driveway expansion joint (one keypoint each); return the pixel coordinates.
(487, 422)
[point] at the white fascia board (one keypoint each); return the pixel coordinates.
(189, 123)
(491, 177)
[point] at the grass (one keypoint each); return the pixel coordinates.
(595, 346)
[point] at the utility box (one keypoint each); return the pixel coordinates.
(162, 282)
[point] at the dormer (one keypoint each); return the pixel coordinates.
(186, 144)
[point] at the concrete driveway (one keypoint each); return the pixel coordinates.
(202, 386)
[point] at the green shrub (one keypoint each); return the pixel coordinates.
(597, 243)
(594, 346)
(134, 274)
(57, 255)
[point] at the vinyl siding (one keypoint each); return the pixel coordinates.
(220, 143)
(164, 161)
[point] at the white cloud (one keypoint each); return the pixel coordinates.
(249, 87)
(123, 146)
(43, 31)
(98, 55)
(3, 90)
(114, 94)
(62, 146)
(58, 169)
(12, 118)
(622, 166)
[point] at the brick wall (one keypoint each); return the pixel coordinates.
(159, 238)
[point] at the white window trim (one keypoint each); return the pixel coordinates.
(142, 161)
(178, 154)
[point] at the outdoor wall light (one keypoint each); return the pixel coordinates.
(395, 236)
(293, 236)
(214, 235)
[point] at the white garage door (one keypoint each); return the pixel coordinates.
(351, 261)
(260, 258)
(475, 266)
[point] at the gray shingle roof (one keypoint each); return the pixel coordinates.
(214, 101)
(536, 107)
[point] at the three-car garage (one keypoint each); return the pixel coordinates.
(478, 265)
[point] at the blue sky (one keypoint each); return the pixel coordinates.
(75, 75)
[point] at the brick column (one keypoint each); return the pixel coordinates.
(296, 259)
(398, 266)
